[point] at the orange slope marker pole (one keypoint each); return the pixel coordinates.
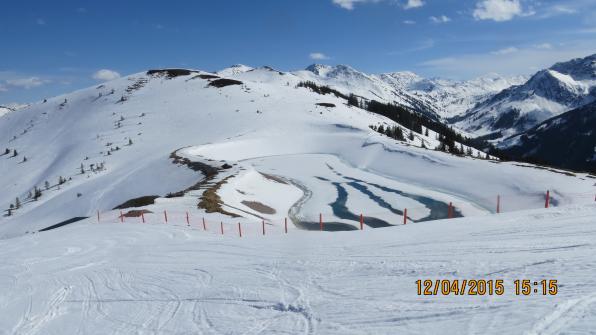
(321, 221)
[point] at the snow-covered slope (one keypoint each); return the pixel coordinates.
(130, 278)
(11, 108)
(547, 93)
(275, 150)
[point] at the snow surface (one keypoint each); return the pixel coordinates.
(131, 278)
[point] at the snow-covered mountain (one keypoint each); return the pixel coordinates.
(374, 87)
(548, 93)
(435, 97)
(251, 144)
(567, 140)
(453, 98)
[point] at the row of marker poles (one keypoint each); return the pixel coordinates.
(321, 224)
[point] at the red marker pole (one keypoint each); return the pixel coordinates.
(187, 220)
(321, 221)
(449, 211)
(405, 215)
(286, 224)
(165, 216)
(239, 229)
(121, 217)
(547, 199)
(361, 222)
(204, 224)
(263, 224)
(221, 225)
(143, 217)
(498, 204)
(98, 215)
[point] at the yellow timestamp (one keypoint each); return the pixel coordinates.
(485, 287)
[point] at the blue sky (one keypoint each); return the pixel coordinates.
(53, 47)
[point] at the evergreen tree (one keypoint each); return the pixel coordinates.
(411, 136)
(398, 133)
(82, 168)
(17, 203)
(353, 100)
(7, 151)
(36, 193)
(426, 132)
(47, 185)
(129, 141)
(15, 153)
(24, 159)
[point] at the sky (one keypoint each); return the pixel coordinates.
(53, 47)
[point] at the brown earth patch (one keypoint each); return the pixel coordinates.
(259, 207)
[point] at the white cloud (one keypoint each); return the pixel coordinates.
(440, 19)
(349, 4)
(523, 61)
(318, 56)
(497, 10)
(563, 9)
(413, 4)
(505, 51)
(409, 22)
(106, 75)
(26, 83)
(543, 46)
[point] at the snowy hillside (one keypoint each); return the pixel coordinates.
(11, 108)
(130, 278)
(547, 93)
(439, 98)
(252, 144)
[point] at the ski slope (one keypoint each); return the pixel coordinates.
(130, 278)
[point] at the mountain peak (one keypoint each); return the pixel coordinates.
(234, 69)
(319, 69)
(578, 68)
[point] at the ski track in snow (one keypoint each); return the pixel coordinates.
(91, 278)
